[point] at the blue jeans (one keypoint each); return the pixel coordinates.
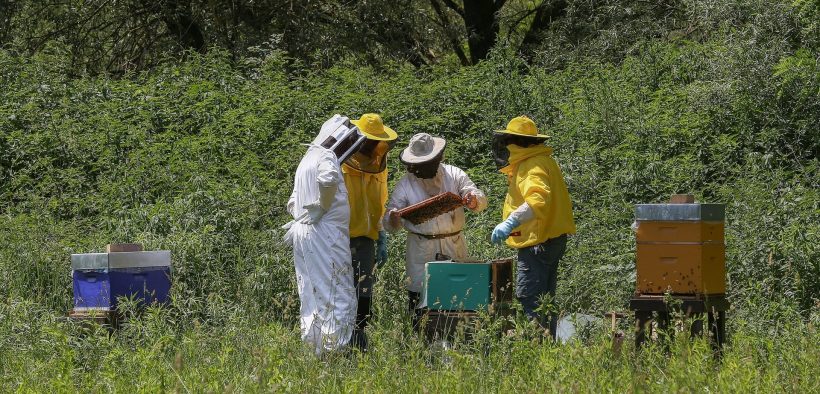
(537, 275)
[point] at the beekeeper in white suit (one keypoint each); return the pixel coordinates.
(426, 177)
(319, 235)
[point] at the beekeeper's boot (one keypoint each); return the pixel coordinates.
(359, 339)
(413, 299)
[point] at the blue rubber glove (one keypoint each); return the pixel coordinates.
(502, 230)
(381, 249)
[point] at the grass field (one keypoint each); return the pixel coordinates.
(162, 352)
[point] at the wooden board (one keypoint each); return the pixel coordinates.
(432, 207)
(129, 247)
(95, 316)
(679, 231)
(502, 280)
(682, 199)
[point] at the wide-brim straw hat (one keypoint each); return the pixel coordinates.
(372, 126)
(423, 147)
(523, 126)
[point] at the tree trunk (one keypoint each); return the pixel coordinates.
(481, 20)
(454, 39)
(547, 12)
(180, 22)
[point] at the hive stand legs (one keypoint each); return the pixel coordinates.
(696, 329)
(715, 320)
(663, 321)
(717, 330)
(643, 321)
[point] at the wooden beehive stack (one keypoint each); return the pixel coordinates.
(680, 247)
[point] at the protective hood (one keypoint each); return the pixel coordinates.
(425, 170)
(341, 136)
(502, 143)
(372, 156)
(501, 155)
(518, 154)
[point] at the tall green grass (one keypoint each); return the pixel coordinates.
(158, 352)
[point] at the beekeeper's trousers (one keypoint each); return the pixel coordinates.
(537, 276)
(363, 253)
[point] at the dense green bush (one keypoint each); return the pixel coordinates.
(197, 157)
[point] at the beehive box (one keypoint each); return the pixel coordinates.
(501, 283)
(467, 285)
(680, 249)
(452, 286)
(99, 278)
(91, 280)
(146, 276)
(680, 231)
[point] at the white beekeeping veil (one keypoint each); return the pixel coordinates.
(340, 136)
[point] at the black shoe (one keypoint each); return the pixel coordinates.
(413, 299)
(363, 312)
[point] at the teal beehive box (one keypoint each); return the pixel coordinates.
(457, 286)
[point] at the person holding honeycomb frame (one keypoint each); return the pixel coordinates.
(427, 177)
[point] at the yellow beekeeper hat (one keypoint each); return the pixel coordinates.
(372, 126)
(524, 127)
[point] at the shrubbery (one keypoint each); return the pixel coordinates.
(198, 156)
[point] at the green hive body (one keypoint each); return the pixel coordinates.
(457, 286)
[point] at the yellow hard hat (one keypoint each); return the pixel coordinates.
(524, 127)
(372, 126)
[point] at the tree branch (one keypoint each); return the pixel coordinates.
(543, 19)
(455, 43)
(455, 7)
(525, 15)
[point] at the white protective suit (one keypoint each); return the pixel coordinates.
(324, 273)
(420, 250)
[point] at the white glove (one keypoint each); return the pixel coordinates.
(315, 210)
(314, 213)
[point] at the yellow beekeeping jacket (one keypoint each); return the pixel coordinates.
(533, 177)
(367, 196)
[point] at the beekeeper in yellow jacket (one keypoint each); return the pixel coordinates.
(365, 175)
(537, 213)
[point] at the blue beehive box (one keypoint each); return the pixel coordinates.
(92, 283)
(99, 278)
(457, 286)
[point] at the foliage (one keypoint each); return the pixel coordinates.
(101, 36)
(126, 35)
(189, 157)
(196, 156)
